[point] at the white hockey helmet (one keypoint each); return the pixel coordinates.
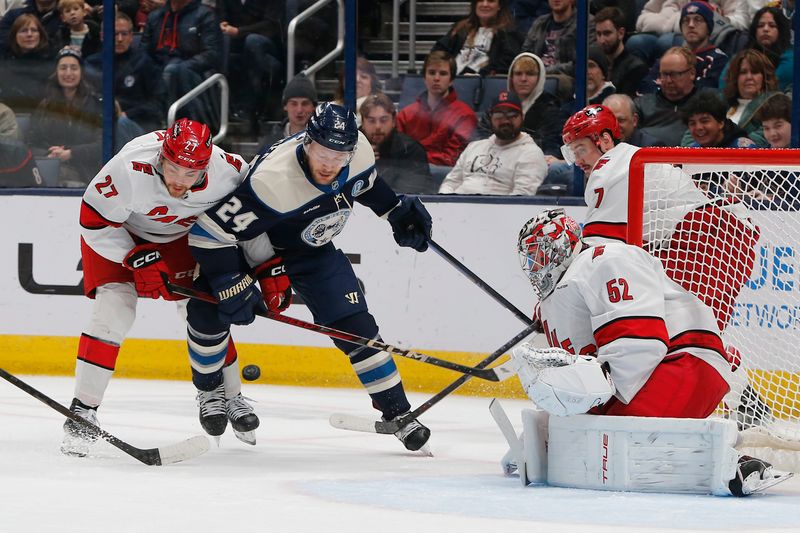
(547, 243)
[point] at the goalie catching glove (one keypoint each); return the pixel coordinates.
(274, 283)
(559, 382)
(147, 266)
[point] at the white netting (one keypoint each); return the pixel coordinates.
(731, 235)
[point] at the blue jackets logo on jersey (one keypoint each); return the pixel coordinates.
(358, 188)
(323, 229)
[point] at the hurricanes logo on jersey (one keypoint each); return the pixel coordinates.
(323, 229)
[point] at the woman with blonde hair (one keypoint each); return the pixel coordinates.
(485, 42)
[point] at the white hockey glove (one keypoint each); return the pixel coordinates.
(562, 383)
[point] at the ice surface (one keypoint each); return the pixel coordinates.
(306, 476)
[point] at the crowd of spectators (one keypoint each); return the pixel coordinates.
(674, 72)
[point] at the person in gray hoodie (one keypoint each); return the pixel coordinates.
(542, 117)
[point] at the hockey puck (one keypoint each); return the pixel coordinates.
(251, 372)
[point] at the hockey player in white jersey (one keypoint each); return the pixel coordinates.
(300, 192)
(706, 243)
(625, 339)
(135, 217)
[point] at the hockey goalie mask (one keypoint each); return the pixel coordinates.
(546, 245)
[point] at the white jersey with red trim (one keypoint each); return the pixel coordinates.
(615, 301)
(606, 196)
(128, 196)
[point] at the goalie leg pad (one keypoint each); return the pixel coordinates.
(642, 454)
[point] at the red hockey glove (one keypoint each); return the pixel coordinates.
(146, 264)
(274, 282)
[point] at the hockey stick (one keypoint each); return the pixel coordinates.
(173, 453)
(478, 281)
(499, 373)
(356, 423)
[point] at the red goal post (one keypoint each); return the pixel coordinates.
(738, 249)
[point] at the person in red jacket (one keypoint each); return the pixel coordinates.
(438, 120)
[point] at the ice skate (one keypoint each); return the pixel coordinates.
(243, 420)
(77, 437)
(213, 417)
(755, 475)
(413, 435)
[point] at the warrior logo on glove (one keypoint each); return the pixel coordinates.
(546, 245)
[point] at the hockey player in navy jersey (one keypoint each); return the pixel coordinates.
(300, 193)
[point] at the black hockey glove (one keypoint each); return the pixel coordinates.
(239, 298)
(411, 223)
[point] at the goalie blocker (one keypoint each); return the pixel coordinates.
(637, 454)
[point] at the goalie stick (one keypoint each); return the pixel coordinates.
(499, 373)
(164, 455)
(474, 278)
(357, 423)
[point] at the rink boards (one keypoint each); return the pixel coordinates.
(419, 300)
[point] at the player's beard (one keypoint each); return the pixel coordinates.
(507, 132)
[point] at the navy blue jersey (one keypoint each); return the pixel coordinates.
(280, 198)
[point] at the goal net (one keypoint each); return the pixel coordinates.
(734, 241)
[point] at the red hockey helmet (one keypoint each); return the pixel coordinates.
(188, 144)
(591, 122)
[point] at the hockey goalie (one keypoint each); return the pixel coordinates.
(631, 345)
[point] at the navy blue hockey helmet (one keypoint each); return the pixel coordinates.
(333, 127)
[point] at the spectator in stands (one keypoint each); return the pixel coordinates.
(552, 37)
(704, 114)
(597, 85)
(776, 118)
(770, 189)
(26, 64)
(44, 10)
(625, 110)
(367, 83)
(659, 111)
(659, 26)
(697, 21)
(400, 160)
(540, 109)
(138, 85)
(17, 166)
(255, 28)
(67, 123)
(438, 120)
(184, 39)
(299, 100)
(749, 84)
(145, 8)
(507, 163)
(770, 33)
(9, 129)
(75, 30)
(625, 69)
(485, 42)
